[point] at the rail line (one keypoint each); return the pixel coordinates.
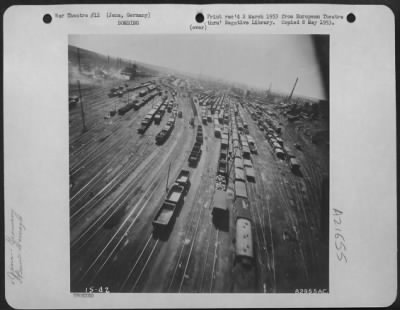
(122, 235)
(214, 263)
(194, 222)
(191, 233)
(124, 196)
(212, 234)
(156, 182)
(113, 130)
(262, 185)
(121, 174)
(259, 240)
(141, 263)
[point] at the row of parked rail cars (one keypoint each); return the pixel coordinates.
(243, 147)
(272, 132)
(136, 102)
(165, 217)
(195, 154)
(243, 172)
(149, 117)
(231, 151)
(163, 135)
(220, 210)
(119, 91)
(222, 112)
(167, 85)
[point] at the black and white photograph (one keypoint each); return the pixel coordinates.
(235, 156)
(199, 163)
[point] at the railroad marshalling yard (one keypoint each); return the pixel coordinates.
(186, 187)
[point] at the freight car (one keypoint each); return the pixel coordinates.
(240, 189)
(220, 211)
(244, 252)
(195, 155)
(167, 213)
(183, 179)
(163, 135)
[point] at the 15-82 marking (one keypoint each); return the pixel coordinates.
(340, 242)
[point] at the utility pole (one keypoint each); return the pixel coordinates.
(79, 58)
(291, 93)
(82, 110)
(166, 188)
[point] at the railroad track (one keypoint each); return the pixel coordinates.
(178, 276)
(196, 217)
(260, 187)
(113, 130)
(293, 222)
(111, 247)
(142, 260)
(207, 280)
(263, 258)
(122, 150)
(120, 175)
(133, 280)
(96, 151)
(120, 202)
(127, 193)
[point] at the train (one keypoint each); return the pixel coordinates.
(244, 242)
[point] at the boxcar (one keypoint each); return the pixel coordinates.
(244, 241)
